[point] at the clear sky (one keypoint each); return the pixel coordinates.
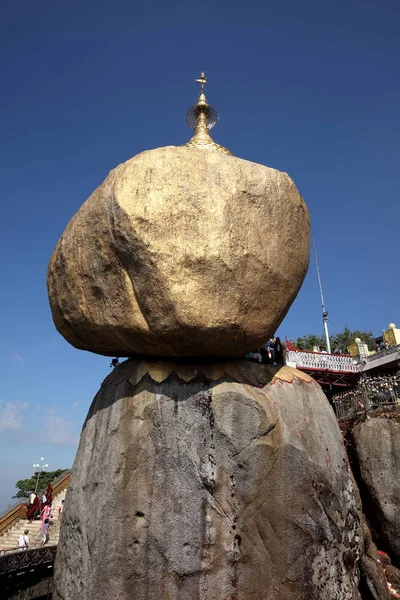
(311, 88)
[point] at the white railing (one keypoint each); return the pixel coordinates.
(320, 360)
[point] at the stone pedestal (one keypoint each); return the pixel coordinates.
(226, 481)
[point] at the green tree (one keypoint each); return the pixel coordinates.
(340, 340)
(347, 337)
(307, 342)
(26, 486)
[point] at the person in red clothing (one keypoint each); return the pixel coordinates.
(49, 494)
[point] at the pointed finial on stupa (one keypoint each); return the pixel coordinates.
(201, 118)
(202, 80)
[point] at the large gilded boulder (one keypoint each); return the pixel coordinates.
(180, 252)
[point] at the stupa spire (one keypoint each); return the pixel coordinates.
(201, 118)
(202, 80)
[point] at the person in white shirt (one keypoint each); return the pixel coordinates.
(23, 540)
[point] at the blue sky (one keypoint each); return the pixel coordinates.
(310, 88)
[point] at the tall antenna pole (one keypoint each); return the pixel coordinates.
(324, 311)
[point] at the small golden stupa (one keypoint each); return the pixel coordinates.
(201, 118)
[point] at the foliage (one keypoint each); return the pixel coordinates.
(307, 342)
(26, 486)
(341, 340)
(347, 337)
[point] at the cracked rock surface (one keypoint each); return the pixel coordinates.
(377, 445)
(210, 490)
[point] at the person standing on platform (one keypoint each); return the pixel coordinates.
(279, 348)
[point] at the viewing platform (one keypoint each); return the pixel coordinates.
(327, 369)
(307, 360)
(383, 358)
(341, 369)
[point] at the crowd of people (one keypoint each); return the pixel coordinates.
(273, 352)
(39, 507)
(383, 345)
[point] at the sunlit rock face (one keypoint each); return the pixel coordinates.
(180, 252)
(210, 482)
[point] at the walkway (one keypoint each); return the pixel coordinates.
(13, 523)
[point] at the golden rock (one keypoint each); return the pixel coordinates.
(181, 251)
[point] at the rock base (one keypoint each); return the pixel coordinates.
(221, 482)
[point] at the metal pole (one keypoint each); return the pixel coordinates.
(324, 311)
(37, 480)
(39, 466)
(328, 343)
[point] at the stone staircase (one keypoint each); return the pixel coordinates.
(10, 538)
